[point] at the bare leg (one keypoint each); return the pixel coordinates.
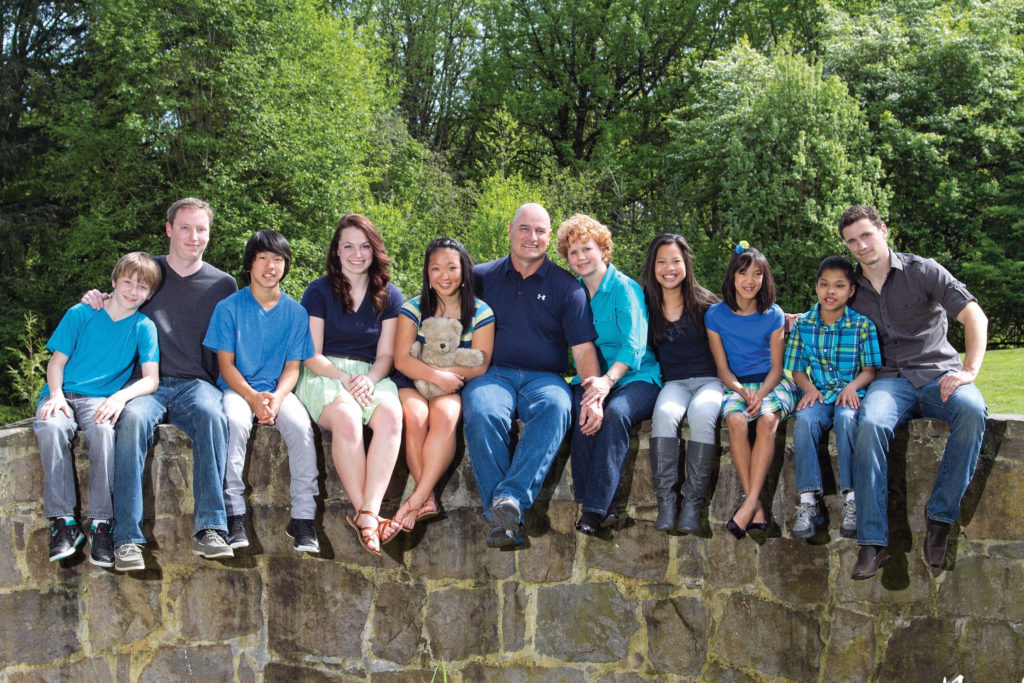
(386, 423)
(438, 451)
(760, 462)
(415, 409)
(346, 427)
(739, 447)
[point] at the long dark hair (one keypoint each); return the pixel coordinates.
(740, 262)
(428, 298)
(377, 273)
(696, 299)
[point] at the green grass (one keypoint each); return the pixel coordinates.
(1001, 380)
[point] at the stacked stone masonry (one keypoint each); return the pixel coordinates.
(633, 605)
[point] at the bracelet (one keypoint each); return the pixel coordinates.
(610, 378)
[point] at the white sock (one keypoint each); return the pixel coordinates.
(849, 496)
(97, 522)
(808, 497)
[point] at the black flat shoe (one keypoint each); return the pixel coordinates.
(735, 528)
(758, 531)
(589, 523)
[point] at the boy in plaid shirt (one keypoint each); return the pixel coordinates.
(832, 353)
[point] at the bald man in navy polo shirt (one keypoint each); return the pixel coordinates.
(539, 310)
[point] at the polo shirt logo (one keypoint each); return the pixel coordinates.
(542, 297)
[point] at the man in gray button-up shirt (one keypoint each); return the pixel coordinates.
(909, 298)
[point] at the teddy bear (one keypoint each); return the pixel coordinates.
(441, 349)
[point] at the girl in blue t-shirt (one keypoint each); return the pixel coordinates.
(352, 319)
(430, 424)
(746, 332)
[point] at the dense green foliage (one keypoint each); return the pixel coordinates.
(717, 119)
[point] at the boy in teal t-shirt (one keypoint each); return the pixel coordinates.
(94, 353)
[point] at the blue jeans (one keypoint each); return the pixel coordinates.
(542, 400)
(808, 426)
(597, 460)
(193, 406)
(888, 404)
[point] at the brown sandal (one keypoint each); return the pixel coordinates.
(428, 510)
(384, 525)
(366, 533)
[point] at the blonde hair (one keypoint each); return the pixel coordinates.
(579, 228)
(141, 265)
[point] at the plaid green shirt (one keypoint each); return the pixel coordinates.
(832, 355)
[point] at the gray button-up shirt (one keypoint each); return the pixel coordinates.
(910, 315)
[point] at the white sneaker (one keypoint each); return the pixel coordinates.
(128, 558)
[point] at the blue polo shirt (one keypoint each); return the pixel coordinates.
(262, 341)
(620, 318)
(536, 318)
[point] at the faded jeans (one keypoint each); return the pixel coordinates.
(193, 406)
(54, 436)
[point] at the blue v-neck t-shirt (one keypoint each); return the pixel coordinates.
(262, 341)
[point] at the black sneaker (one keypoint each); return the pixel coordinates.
(304, 533)
(102, 542)
(65, 536)
(236, 536)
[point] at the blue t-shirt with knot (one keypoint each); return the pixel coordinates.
(746, 338)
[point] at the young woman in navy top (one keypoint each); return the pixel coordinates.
(353, 313)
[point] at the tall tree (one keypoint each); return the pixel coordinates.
(429, 47)
(38, 41)
(942, 84)
(591, 74)
(772, 152)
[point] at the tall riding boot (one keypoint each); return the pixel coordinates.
(700, 459)
(665, 478)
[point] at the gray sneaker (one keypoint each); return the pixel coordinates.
(808, 520)
(848, 529)
(211, 545)
(507, 531)
(128, 558)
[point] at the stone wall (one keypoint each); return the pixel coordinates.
(636, 604)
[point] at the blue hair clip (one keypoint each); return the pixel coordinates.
(742, 246)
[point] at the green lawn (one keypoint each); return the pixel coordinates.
(1002, 381)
